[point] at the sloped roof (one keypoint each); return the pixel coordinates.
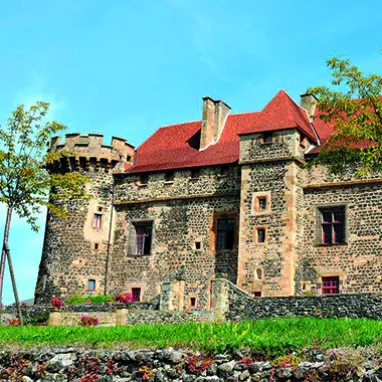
(177, 146)
(281, 113)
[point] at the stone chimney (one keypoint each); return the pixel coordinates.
(213, 120)
(309, 103)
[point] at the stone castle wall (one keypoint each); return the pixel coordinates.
(75, 252)
(182, 212)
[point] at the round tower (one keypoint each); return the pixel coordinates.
(76, 249)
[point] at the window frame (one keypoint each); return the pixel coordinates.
(255, 206)
(95, 285)
(267, 138)
(143, 176)
(132, 234)
(331, 287)
(139, 289)
(169, 176)
(319, 234)
(258, 236)
(95, 215)
(226, 240)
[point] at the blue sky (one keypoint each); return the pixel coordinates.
(126, 67)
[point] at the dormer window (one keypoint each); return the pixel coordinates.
(267, 138)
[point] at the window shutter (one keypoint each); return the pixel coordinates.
(132, 239)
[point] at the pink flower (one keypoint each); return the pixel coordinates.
(57, 302)
(125, 298)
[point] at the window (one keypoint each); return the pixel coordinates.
(257, 294)
(225, 233)
(330, 285)
(136, 292)
(143, 179)
(100, 209)
(333, 225)
(141, 238)
(198, 245)
(267, 138)
(97, 221)
(224, 171)
(195, 173)
(91, 284)
(262, 203)
(260, 235)
(192, 302)
(169, 176)
(259, 274)
(96, 246)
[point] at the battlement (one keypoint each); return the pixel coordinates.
(89, 149)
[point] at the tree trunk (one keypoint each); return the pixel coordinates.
(17, 301)
(3, 252)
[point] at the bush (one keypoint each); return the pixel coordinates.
(89, 321)
(77, 299)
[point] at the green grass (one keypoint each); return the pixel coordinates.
(271, 336)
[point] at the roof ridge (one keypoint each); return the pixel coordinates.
(245, 112)
(179, 123)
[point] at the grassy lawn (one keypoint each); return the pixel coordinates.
(271, 336)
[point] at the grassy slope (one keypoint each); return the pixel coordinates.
(270, 336)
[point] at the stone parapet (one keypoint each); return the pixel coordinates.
(84, 150)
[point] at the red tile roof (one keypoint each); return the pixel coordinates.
(177, 146)
(281, 113)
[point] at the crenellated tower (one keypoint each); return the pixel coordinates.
(76, 248)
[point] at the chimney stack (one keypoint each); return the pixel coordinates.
(214, 116)
(309, 103)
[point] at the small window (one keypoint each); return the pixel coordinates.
(257, 294)
(169, 176)
(144, 179)
(97, 221)
(224, 171)
(195, 173)
(136, 292)
(262, 203)
(261, 235)
(225, 233)
(267, 138)
(100, 209)
(96, 246)
(192, 302)
(330, 285)
(332, 225)
(259, 274)
(128, 158)
(198, 245)
(91, 284)
(141, 238)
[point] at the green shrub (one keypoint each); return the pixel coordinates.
(76, 299)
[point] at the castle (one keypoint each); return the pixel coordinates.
(229, 196)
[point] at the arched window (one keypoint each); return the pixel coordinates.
(259, 274)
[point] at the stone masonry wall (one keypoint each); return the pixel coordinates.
(244, 307)
(74, 251)
(357, 262)
(168, 364)
(183, 212)
(270, 171)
